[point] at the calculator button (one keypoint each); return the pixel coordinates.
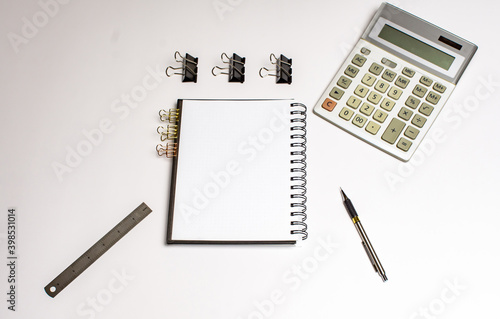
(439, 87)
(374, 97)
(408, 72)
(381, 86)
(412, 102)
(353, 102)
(351, 71)
(387, 104)
(405, 113)
(419, 90)
(402, 82)
(358, 60)
(404, 144)
(389, 75)
(336, 93)
(368, 79)
(411, 132)
(426, 109)
(365, 51)
(366, 109)
(395, 93)
(380, 116)
(344, 82)
(376, 69)
(389, 63)
(433, 97)
(393, 130)
(372, 127)
(425, 81)
(346, 113)
(328, 105)
(361, 91)
(418, 120)
(359, 120)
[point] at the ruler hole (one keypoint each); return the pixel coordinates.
(52, 289)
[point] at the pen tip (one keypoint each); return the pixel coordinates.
(342, 194)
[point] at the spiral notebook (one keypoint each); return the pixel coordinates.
(238, 172)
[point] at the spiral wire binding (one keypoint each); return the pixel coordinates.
(298, 170)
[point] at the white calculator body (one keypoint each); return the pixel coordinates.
(395, 81)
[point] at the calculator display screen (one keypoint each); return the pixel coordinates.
(417, 47)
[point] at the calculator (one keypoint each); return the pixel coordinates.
(395, 81)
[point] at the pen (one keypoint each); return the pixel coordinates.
(364, 237)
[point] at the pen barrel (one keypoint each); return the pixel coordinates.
(350, 209)
(372, 255)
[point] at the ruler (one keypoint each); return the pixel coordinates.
(97, 250)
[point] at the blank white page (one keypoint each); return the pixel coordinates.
(232, 178)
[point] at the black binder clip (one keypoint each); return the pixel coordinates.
(189, 67)
(283, 69)
(236, 69)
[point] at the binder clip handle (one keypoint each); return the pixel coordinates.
(267, 72)
(172, 68)
(220, 70)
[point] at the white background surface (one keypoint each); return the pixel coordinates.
(435, 228)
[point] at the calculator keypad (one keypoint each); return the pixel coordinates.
(372, 127)
(351, 71)
(405, 113)
(329, 105)
(376, 69)
(387, 99)
(359, 60)
(344, 82)
(426, 109)
(411, 132)
(389, 75)
(346, 114)
(419, 90)
(336, 93)
(402, 82)
(368, 79)
(439, 87)
(381, 86)
(404, 144)
(412, 102)
(426, 81)
(408, 72)
(393, 130)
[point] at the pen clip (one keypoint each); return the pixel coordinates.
(370, 256)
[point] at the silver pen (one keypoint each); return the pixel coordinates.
(364, 237)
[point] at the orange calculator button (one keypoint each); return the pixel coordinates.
(329, 105)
